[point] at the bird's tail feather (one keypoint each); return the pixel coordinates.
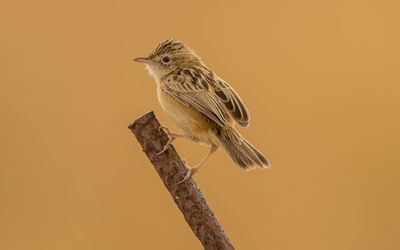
(241, 151)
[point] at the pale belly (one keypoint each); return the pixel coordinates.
(191, 121)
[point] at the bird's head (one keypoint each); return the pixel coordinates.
(169, 56)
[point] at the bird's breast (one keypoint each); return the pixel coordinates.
(183, 115)
(191, 121)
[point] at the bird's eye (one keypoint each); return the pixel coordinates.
(166, 59)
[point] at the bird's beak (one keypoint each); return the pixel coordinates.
(143, 60)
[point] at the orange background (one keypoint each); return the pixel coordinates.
(321, 79)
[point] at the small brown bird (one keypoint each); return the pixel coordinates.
(203, 105)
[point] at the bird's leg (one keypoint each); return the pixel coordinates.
(172, 136)
(191, 171)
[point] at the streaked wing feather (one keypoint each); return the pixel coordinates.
(232, 103)
(195, 95)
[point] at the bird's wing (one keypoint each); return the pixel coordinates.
(190, 90)
(232, 102)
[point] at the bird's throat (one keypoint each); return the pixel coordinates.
(154, 72)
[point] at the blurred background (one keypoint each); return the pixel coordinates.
(320, 78)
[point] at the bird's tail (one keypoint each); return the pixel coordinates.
(241, 151)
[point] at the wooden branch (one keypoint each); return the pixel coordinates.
(186, 195)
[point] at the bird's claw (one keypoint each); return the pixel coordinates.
(165, 129)
(166, 146)
(170, 140)
(188, 172)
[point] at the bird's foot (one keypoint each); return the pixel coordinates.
(172, 136)
(165, 129)
(190, 171)
(167, 145)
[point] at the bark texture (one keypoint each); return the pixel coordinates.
(186, 195)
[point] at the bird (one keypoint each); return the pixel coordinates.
(203, 106)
